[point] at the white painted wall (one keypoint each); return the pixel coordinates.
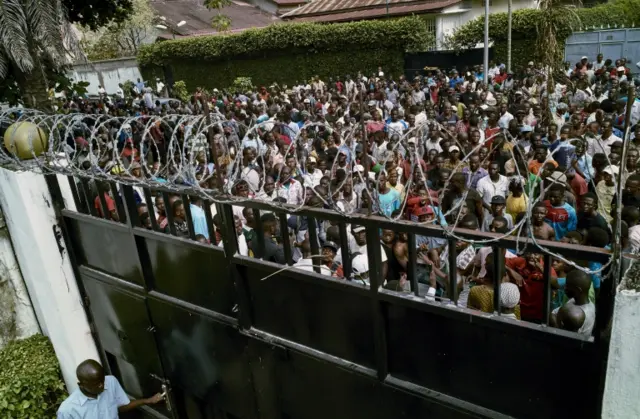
(46, 269)
(456, 16)
(622, 385)
(108, 73)
(17, 306)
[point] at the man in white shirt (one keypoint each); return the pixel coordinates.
(598, 63)
(492, 185)
(360, 246)
(603, 145)
(577, 289)
(120, 91)
(99, 396)
(505, 116)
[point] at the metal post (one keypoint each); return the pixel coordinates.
(546, 297)
(509, 20)
(412, 268)
(617, 233)
(453, 271)
(485, 71)
(497, 278)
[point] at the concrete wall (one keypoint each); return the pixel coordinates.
(622, 385)
(456, 16)
(17, 319)
(108, 73)
(44, 262)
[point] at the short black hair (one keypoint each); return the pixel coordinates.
(590, 195)
(597, 237)
(469, 221)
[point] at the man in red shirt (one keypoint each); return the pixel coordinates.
(110, 204)
(527, 273)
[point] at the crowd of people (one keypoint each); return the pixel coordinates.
(445, 148)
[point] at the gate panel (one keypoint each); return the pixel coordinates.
(335, 320)
(192, 273)
(501, 366)
(106, 246)
(308, 389)
(204, 359)
(125, 334)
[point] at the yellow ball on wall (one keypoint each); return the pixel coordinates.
(25, 139)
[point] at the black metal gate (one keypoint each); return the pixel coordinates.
(201, 321)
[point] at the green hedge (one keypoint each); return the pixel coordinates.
(30, 383)
(288, 52)
(524, 27)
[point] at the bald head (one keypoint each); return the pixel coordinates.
(570, 317)
(90, 378)
(578, 284)
(89, 369)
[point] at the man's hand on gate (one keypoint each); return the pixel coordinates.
(156, 398)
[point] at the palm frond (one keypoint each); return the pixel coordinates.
(14, 34)
(4, 65)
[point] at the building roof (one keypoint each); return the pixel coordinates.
(347, 10)
(198, 18)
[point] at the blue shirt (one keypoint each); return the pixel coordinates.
(199, 221)
(389, 202)
(79, 406)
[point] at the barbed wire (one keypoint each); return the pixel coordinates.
(92, 146)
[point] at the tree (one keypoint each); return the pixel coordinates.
(219, 22)
(97, 13)
(32, 33)
(36, 39)
(121, 38)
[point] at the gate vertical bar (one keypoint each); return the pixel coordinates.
(239, 280)
(374, 254)
(412, 265)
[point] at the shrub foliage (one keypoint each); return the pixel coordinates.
(286, 53)
(30, 381)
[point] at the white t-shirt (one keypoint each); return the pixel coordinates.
(307, 265)
(488, 189)
(589, 317)
(355, 248)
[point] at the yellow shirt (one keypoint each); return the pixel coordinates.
(516, 205)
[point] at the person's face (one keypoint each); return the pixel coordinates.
(588, 205)
(324, 183)
(580, 149)
(439, 162)
(493, 170)
(539, 214)
(555, 198)
(615, 157)
(285, 175)
(540, 154)
(455, 154)
(361, 237)
(269, 185)
(388, 236)
(382, 179)
(632, 187)
(179, 212)
(497, 209)
(393, 177)
(328, 255)
(93, 386)
(291, 163)
(474, 163)
(608, 178)
(497, 225)
(475, 137)
(564, 134)
(632, 158)
(160, 205)
(606, 129)
(311, 165)
(547, 170)
(466, 114)
(483, 153)
(394, 115)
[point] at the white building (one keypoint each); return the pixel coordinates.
(443, 17)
